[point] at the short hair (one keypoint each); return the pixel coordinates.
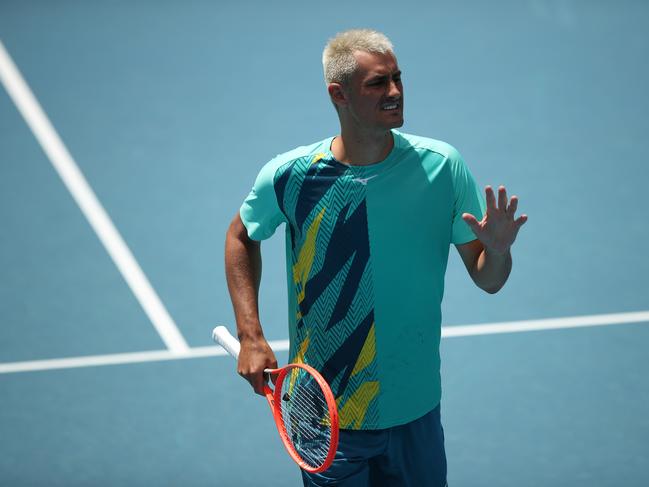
(338, 58)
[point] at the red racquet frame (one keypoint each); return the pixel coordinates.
(273, 397)
(222, 336)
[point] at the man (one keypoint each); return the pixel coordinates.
(370, 215)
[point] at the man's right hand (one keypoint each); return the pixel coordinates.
(255, 356)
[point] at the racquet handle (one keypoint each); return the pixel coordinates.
(223, 337)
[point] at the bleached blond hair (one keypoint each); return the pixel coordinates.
(338, 58)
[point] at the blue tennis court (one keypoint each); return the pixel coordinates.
(130, 132)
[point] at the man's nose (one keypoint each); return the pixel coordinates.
(394, 91)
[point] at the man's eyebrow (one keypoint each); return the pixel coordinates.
(378, 77)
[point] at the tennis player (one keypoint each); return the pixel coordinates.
(369, 217)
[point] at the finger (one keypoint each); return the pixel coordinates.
(272, 377)
(520, 221)
(490, 197)
(502, 198)
(472, 221)
(257, 381)
(513, 205)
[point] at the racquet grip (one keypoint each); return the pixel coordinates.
(222, 336)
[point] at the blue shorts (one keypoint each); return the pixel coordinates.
(409, 455)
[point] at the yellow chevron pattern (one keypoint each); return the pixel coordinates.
(302, 267)
(352, 413)
(354, 409)
(298, 359)
(317, 157)
(301, 351)
(367, 353)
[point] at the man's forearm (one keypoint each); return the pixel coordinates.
(491, 270)
(243, 273)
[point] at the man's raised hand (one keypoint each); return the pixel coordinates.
(498, 229)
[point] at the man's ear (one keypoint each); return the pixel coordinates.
(337, 94)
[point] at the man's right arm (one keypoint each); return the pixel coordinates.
(243, 272)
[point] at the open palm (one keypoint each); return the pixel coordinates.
(498, 229)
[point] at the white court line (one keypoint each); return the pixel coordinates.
(121, 358)
(90, 206)
(547, 324)
(282, 345)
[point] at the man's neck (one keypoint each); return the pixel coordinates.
(362, 149)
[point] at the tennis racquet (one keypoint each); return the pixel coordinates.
(303, 407)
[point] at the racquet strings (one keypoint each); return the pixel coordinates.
(305, 415)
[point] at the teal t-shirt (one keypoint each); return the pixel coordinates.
(366, 253)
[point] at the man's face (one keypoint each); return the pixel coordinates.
(375, 92)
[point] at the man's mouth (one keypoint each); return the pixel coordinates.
(390, 106)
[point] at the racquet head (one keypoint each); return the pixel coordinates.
(303, 406)
(306, 416)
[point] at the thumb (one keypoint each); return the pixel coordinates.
(471, 221)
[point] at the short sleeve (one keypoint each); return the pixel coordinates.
(468, 199)
(260, 212)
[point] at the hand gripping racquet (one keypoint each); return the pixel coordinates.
(303, 407)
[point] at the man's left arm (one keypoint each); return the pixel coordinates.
(488, 259)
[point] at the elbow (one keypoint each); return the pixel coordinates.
(237, 240)
(490, 287)
(237, 231)
(492, 290)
